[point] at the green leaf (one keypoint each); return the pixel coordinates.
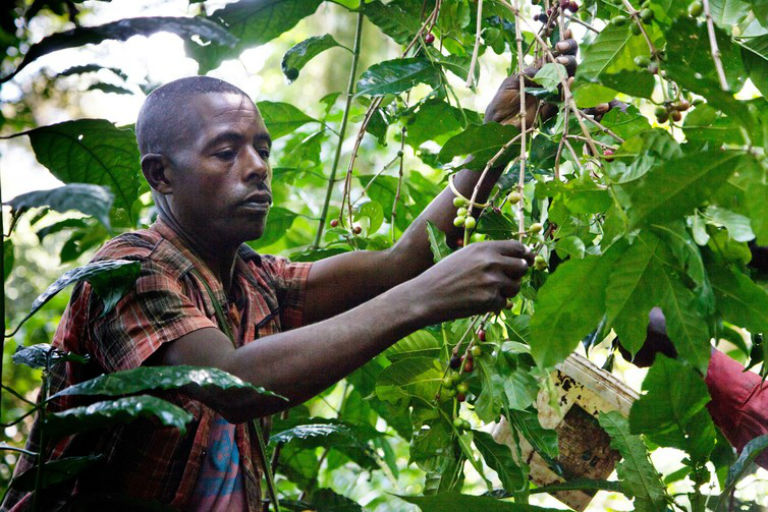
(8, 258)
(481, 141)
(325, 500)
(741, 467)
(737, 225)
(686, 326)
(550, 76)
(632, 293)
(299, 54)
(758, 210)
(496, 226)
(282, 118)
(116, 412)
(109, 88)
(412, 377)
(279, 221)
(728, 12)
(40, 355)
(568, 307)
(499, 458)
(638, 476)
(374, 212)
(589, 94)
(123, 30)
(253, 23)
(739, 300)
(393, 20)
(676, 187)
(437, 242)
(91, 151)
(634, 83)
(456, 502)
(418, 344)
(92, 200)
(675, 396)
(611, 52)
(754, 54)
(396, 76)
(146, 378)
(54, 472)
(436, 120)
(110, 280)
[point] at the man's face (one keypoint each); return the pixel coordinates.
(220, 171)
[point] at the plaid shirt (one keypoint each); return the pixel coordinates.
(142, 459)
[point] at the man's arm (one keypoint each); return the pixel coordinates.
(302, 362)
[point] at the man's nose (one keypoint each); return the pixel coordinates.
(255, 166)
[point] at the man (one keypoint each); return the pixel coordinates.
(205, 153)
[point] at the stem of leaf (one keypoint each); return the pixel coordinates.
(478, 29)
(713, 47)
(342, 130)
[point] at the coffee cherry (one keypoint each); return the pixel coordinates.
(449, 393)
(496, 209)
(676, 115)
(291, 74)
(573, 6)
(466, 425)
(661, 117)
(695, 9)
(357, 230)
(458, 423)
(514, 197)
(476, 351)
(481, 334)
(541, 17)
(539, 263)
(462, 388)
(619, 21)
(460, 397)
(459, 201)
(460, 242)
(683, 105)
(455, 362)
(334, 223)
(469, 365)
(608, 154)
(429, 38)
(461, 212)
(447, 382)
(642, 61)
(459, 221)
(536, 227)
(646, 15)
(653, 68)
(635, 29)
(469, 222)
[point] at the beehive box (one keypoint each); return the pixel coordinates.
(583, 391)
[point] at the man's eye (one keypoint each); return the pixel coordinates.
(264, 153)
(226, 154)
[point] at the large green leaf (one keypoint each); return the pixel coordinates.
(282, 118)
(741, 467)
(412, 377)
(499, 458)
(115, 412)
(396, 76)
(611, 52)
(44, 354)
(122, 30)
(669, 413)
(110, 280)
(569, 306)
(436, 120)
(418, 344)
(481, 141)
(638, 476)
(754, 54)
(728, 12)
(279, 221)
(93, 200)
(253, 22)
(739, 300)
(437, 242)
(393, 20)
(147, 378)
(456, 502)
(758, 210)
(301, 53)
(92, 151)
(675, 187)
(54, 472)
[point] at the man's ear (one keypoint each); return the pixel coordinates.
(155, 168)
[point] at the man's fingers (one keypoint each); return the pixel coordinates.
(511, 289)
(515, 249)
(567, 47)
(569, 61)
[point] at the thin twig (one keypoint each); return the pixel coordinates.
(603, 128)
(581, 22)
(478, 29)
(399, 182)
(523, 114)
(584, 139)
(4, 446)
(713, 46)
(562, 142)
(573, 153)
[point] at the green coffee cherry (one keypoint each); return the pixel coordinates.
(514, 197)
(619, 21)
(461, 212)
(642, 61)
(459, 201)
(646, 15)
(459, 221)
(536, 227)
(462, 387)
(695, 9)
(469, 222)
(539, 263)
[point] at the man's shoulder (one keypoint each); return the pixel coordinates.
(148, 246)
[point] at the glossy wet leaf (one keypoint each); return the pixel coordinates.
(43, 354)
(298, 55)
(122, 30)
(396, 76)
(393, 19)
(110, 280)
(92, 151)
(93, 200)
(116, 412)
(147, 378)
(54, 472)
(282, 118)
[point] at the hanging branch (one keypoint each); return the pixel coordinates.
(478, 28)
(713, 46)
(342, 130)
(523, 142)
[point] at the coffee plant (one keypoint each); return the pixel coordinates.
(641, 183)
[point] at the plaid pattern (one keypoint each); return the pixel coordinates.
(142, 459)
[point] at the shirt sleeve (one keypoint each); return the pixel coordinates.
(739, 403)
(290, 281)
(155, 311)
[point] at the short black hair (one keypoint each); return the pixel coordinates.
(162, 119)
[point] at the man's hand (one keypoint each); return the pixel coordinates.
(505, 105)
(473, 280)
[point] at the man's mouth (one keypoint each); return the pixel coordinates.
(258, 203)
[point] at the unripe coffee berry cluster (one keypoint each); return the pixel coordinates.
(671, 111)
(463, 217)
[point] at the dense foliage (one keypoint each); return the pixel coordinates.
(651, 200)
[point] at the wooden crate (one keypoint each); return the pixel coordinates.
(583, 390)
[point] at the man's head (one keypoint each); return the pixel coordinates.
(204, 151)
